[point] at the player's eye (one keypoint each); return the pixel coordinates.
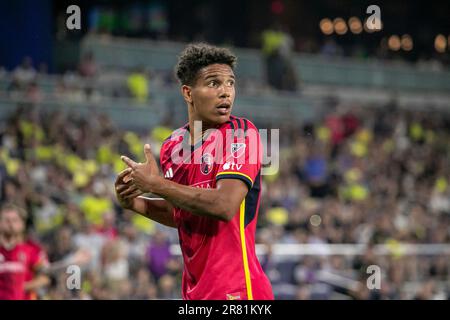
(212, 83)
(230, 83)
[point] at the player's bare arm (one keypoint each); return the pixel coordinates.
(128, 196)
(221, 203)
(39, 281)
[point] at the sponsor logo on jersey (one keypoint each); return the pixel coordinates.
(232, 166)
(169, 173)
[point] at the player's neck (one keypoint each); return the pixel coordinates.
(10, 242)
(197, 133)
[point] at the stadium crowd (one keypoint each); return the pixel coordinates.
(362, 175)
(357, 176)
(91, 83)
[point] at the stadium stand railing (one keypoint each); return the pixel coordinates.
(313, 69)
(281, 250)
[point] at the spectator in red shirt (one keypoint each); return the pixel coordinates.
(21, 261)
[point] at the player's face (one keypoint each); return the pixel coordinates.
(213, 94)
(11, 223)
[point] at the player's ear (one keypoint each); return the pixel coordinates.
(186, 91)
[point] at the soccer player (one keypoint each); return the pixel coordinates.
(211, 186)
(21, 261)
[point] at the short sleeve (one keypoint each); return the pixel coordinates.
(38, 258)
(242, 152)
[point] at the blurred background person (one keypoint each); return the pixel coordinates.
(22, 262)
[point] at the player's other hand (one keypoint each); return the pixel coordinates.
(126, 191)
(143, 174)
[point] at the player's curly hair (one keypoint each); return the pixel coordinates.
(198, 55)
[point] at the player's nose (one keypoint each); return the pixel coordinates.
(225, 93)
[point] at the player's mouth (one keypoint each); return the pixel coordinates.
(224, 108)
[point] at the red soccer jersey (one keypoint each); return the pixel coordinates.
(17, 266)
(219, 257)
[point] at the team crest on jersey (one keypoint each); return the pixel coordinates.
(237, 149)
(207, 163)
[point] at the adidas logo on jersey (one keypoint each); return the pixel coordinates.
(169, 174)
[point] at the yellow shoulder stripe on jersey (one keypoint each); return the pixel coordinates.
(235, 173)
(248, 281)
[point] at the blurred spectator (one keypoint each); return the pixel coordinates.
(25, 72)
(108, 227)
(277, 48)
(316, 172)
(22, 262)
(88, 67)
(158, 254)
(34, 93)
(331, 49)
(88, 239)
(114, 262)
(138, 85)
(167, 287)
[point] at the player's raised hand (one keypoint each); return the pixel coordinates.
(150, 159)
(126, 191)
(143, 174)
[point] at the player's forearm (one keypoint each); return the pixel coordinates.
(156, 210)
(199, 201)
(38, 282)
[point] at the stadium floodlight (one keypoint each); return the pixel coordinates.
(326, 26)
(340, 26)
(355, 25)
(440, 43)
(394, 43)
(407, 42)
